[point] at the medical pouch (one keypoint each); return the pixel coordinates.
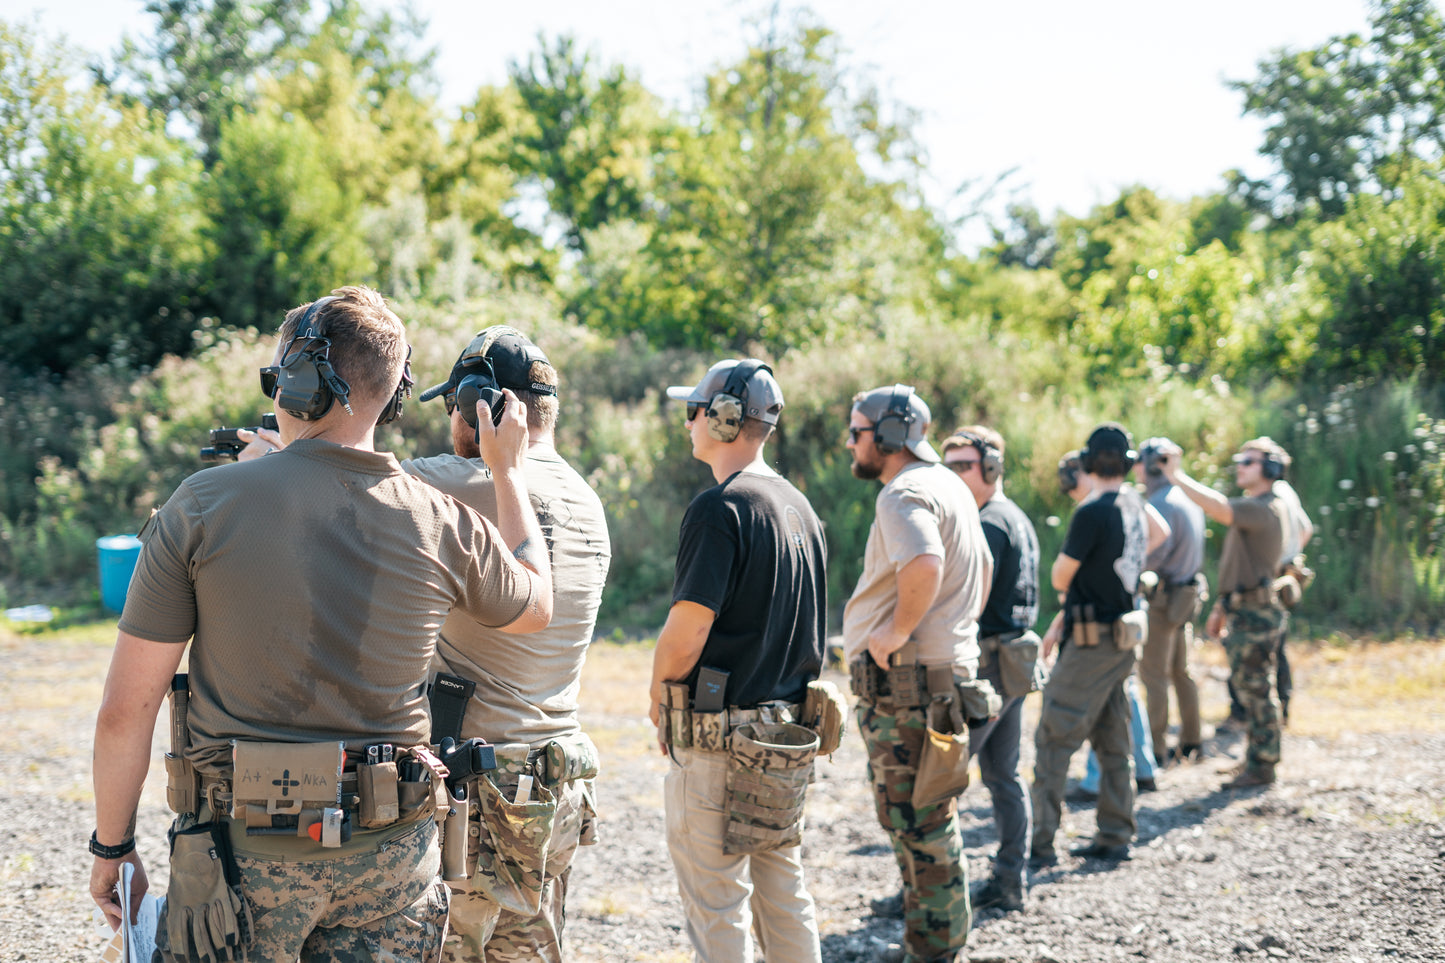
(512, 845)
(206, 915)
(283, 778)
(571, 758)
(825, 711)
(769, 766)
(182, 784)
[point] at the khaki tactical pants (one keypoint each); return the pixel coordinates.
(1165, 662)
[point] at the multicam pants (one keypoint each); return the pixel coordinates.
(481, 929)
(926, 840)
(384, 905)
(1251, 643)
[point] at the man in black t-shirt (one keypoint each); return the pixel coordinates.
(1005, 630)
(1097, 577)
(746, 628)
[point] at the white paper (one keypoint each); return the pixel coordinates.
(133, 942)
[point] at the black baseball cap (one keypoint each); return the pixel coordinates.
(509, 354)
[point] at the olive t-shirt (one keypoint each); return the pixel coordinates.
(527, 685)
(314, 582)
(1253, 544)
(752, 550)
(925, 510)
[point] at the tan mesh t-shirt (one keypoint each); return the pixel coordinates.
(925, 510)
(314, 582)
(527, 685)
(1253, 543)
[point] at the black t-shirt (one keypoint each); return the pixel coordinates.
(752, 550)
(1109, 536)
(1013, 600)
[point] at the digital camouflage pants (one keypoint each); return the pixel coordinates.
(385, 905)
(1252, 641)
(926, 840)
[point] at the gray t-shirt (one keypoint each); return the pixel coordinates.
(314, 582)
(925, 510)
(527, 685)
(1181, 555)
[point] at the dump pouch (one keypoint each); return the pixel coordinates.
(943, 763)
(513, 842)
(1018, 665)
(825, 711)
(205, 916)
(1131, 629)
(769, 765)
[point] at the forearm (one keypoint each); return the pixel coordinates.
(122, 758)
(679, 645)
(1215, 505)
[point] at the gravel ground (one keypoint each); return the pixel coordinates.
(1343, 860)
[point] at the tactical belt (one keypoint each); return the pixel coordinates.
(709, 730)
(901, 686)
(989, 644)
(1259, 597)
(1088, 635)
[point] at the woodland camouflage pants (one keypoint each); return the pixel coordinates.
(1251, 643)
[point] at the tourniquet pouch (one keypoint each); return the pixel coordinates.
(206, 916)
(1131, 629)
(769, 765)
(676, 715)
(943, 762)
(571, 758)
(512, 857)
(825, 712)
(1018, 665)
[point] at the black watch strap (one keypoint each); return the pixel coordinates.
(111, 852)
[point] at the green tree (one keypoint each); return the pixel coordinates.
(100, 228)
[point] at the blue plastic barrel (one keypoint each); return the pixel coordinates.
(118, 555)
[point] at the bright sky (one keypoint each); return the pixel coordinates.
(1082, 98)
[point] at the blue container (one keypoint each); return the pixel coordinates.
(118, 555)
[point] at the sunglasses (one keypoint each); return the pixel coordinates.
(695, 408)
(1244, 461)
(853, 433)
(963, 466)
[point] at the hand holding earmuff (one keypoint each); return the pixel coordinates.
(503, 443)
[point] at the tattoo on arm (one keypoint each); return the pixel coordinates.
(130, 827)
(524, 553)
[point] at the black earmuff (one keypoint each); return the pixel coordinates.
(392, 411)
(990, 464)
(1271, 467)
(727, 409)
(304, 384)
(480, 386)
(1068, 476)
(890, 431)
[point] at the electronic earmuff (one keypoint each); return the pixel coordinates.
(1068, 474)
(890, 431)
(481, 385)
(304, 385)
(1270, 467)
(990, 464)
(727, 409)
(392, 411)
(1088, 457)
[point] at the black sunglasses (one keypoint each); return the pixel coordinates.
(1245, 460)
(963, 466)
(853, 433)
(695, 408)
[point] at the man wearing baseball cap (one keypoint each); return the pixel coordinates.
(742, 641)
(523, 689)
(910, 636)
(1097, 577)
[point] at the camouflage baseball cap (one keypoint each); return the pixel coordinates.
(874, 404)
(764, 395)
(507, 352)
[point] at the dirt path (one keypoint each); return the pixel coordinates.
(1343, 860)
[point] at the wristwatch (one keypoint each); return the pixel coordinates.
(111, 852)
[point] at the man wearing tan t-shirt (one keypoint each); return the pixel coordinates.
(1246, 612)
(526, 686)
(910, 635)
(310, 584)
